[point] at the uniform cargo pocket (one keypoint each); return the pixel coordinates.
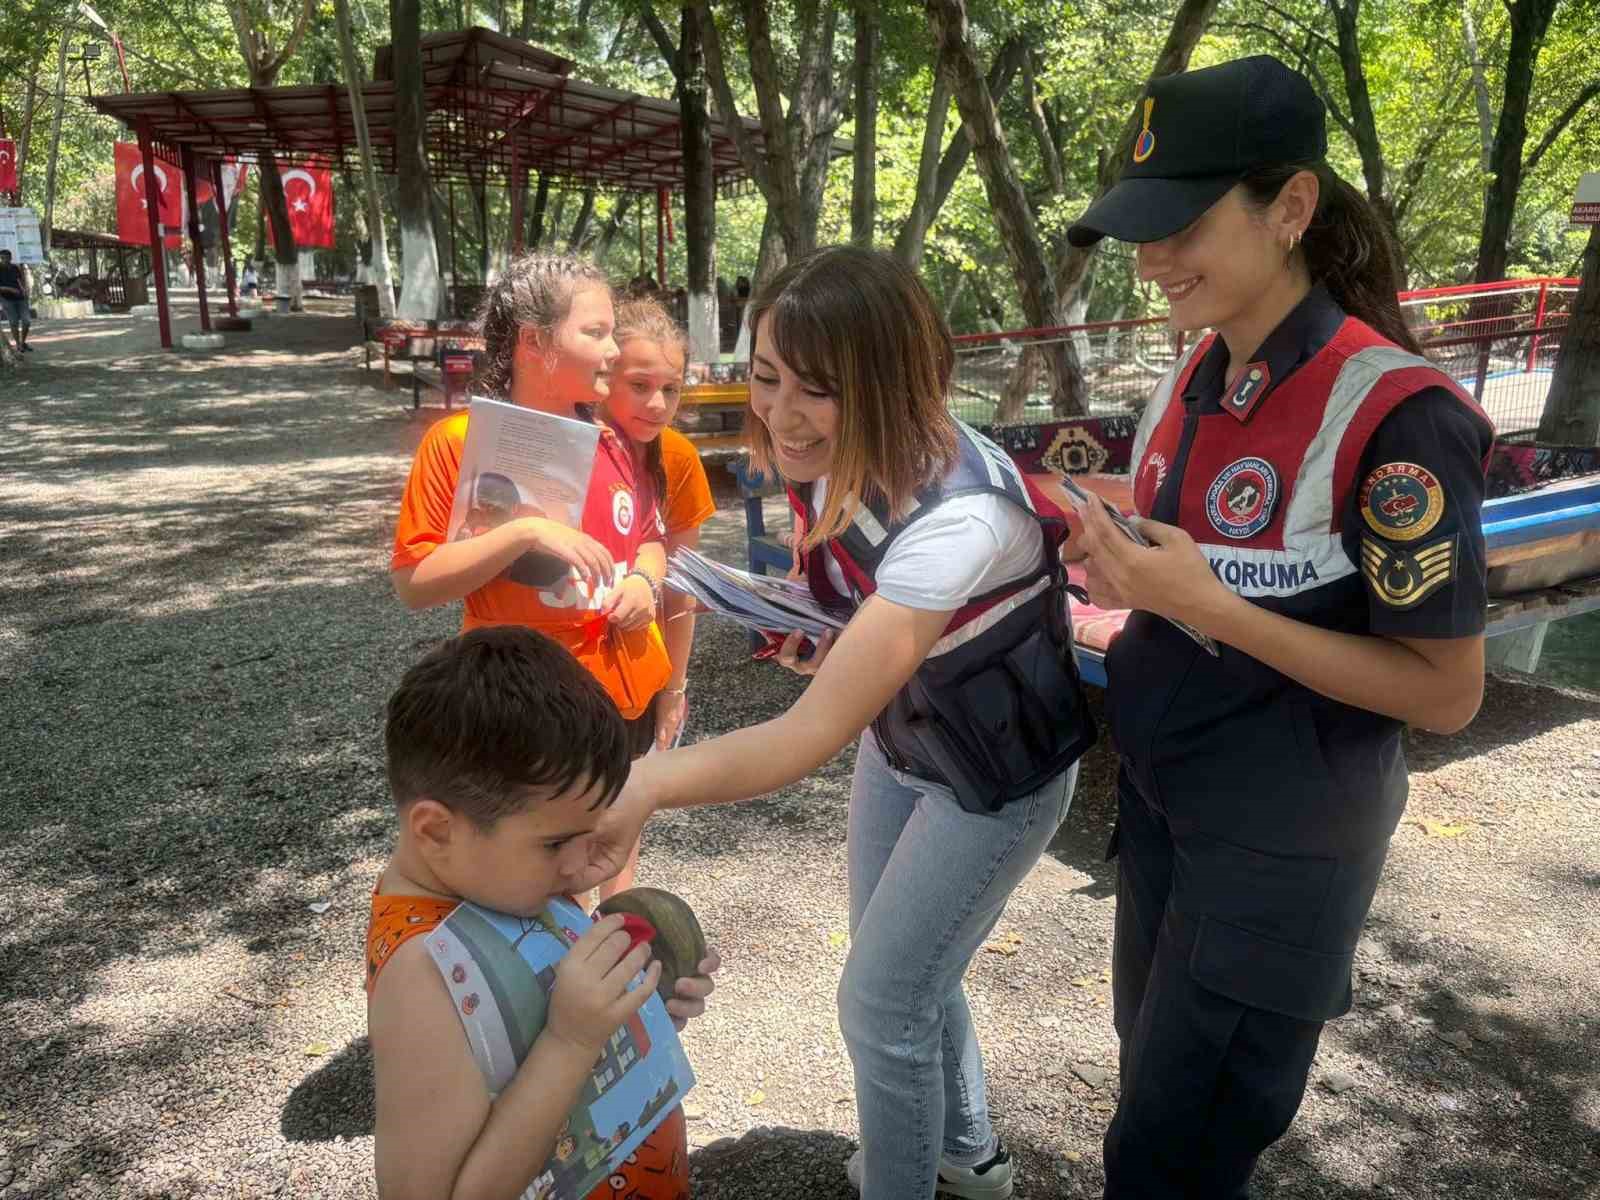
(1258, 972)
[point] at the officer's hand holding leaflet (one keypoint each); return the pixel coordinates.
(1104, 576)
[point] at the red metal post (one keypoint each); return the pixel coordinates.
(661, 237)
(196, 246)
(222, 238)
(152, 214)
(1538, 324)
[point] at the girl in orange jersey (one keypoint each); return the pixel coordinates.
(646, 387)
(548, 328)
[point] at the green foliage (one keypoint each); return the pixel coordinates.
(1092, 57)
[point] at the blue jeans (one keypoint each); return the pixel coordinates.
(928, 881)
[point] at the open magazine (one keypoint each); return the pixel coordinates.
(519, 462)
(500, 970)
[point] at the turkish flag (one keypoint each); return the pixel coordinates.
(308, 191)
(8, 166)
(133, 192)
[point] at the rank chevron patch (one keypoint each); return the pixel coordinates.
(1403, 578)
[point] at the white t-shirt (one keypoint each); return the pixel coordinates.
(963, 548)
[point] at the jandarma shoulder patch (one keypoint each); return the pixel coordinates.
(1402, 578)
(1402, 501)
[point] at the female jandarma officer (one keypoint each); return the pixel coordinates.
(1312, 487)
(955, 672)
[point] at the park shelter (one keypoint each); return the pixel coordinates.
(124, 264)
(495, 105)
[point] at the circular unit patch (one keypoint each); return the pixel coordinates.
(1241, 499)
(1401, 501)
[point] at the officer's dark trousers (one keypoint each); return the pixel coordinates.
(1208, 1081)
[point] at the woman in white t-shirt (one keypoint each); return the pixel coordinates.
(955, 671)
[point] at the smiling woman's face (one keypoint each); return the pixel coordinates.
(803, 421)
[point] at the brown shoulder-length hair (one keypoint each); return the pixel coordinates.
(858, 325)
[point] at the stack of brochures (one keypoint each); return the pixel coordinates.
(763, 603)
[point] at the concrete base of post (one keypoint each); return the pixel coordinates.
(203, 341)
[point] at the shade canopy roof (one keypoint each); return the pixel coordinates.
(493, 103)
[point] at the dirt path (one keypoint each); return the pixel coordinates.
(196, 639)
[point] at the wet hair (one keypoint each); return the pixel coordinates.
(1347, 247)
(644, 317)
(534, 292)
(484, 719)
(859, 325)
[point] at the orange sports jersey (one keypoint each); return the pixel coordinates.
(538, 590)
(689, 502)
(657, 1170)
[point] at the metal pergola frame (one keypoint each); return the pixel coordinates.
(495, 105)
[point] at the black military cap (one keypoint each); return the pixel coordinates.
(1200, 133)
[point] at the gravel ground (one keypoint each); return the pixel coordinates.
(196, 640)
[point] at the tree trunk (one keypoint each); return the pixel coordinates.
(1572, 409)
(1530, 20)
(26, 134)
(936, 175)
(420, 290)
(1363, 121)
(379, 266)
(1007, 198)
(1189, 25)
(541, 203)
(48, 224)
(913, 233)
(1480, 88)
(773, 256)
(613, 226)
(700, 191)
(864, 182)
(580, 227)
(1041, 128)
(479, 190)
(284, 249)
(790, 166)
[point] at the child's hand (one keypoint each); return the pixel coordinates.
(591, 999)
(578, 550)
(631, 605)
(689, 996)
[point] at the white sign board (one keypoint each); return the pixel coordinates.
(19, 233)
(1586, 204)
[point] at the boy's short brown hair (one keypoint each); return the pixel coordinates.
(487, 716)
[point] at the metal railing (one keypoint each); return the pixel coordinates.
(1498, 340)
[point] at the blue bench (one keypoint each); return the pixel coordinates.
(763, 550)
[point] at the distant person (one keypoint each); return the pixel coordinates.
(680, 306)
(248, 282)
(14, 300)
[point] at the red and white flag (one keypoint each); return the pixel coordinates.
(309, 193)
(134, 191)
(8, 165)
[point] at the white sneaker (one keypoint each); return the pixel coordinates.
(989, 1180)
